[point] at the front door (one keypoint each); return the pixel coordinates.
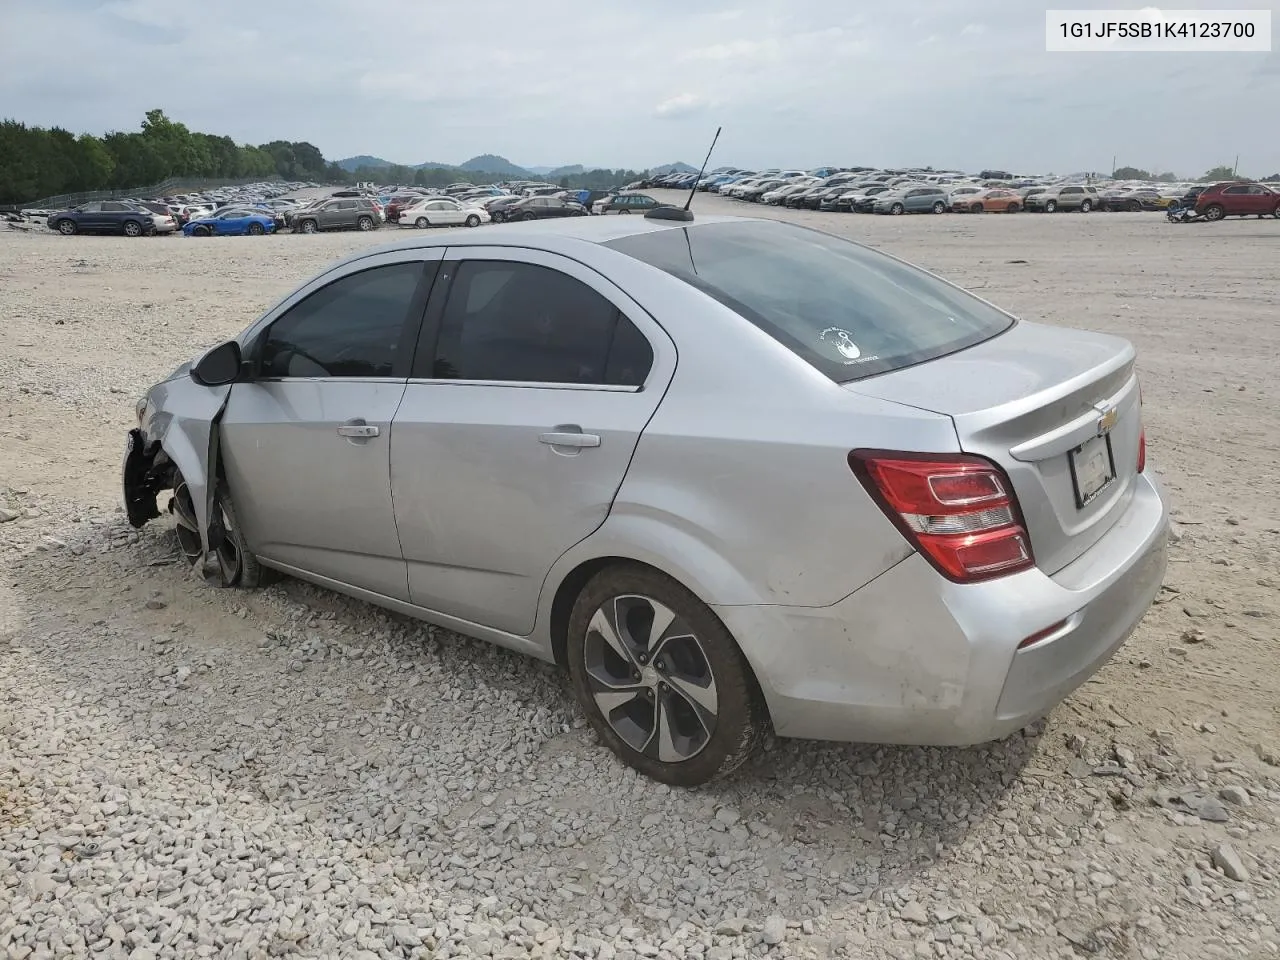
(531, 387)
(306, 443)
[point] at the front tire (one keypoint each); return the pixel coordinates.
(421, 223)
(201, 232)
(1215, 211)
(1013, 208)
(473, 221)
(977, 208)
(256, 230)
(237, 566)
(67, 228)
(897, 209)
(939, 207)
(310, 226)
(660, 678)
(1050, 206)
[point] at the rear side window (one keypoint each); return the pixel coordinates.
(524, 323)
(849, 311)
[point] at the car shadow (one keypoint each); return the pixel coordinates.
(410, 744)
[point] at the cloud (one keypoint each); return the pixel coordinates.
(681, 105)
(797, 84)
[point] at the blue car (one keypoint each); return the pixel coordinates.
(231, 223)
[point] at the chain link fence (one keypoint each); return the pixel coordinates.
(164, 187)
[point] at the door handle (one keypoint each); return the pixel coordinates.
(574, 439)
(357, 428)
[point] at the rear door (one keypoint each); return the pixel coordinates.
(532, 383)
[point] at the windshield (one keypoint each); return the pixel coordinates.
(847, 310)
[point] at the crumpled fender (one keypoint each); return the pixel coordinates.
(185, 422)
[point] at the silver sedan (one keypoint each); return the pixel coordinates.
(730, 473)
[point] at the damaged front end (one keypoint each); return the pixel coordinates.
(147, 471)
(174, 447)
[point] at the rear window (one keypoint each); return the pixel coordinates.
(845, 309)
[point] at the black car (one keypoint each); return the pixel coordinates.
(498, 207)
(629, 203)
(104, 216)
(543, 208)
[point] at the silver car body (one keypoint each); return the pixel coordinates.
(727, 471)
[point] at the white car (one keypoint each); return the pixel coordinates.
(443, 212)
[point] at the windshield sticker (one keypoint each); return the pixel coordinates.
(844, 345)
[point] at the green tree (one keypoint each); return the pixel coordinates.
(1219, 173)
(1131, 173)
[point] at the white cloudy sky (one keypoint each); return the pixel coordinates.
(951, 83)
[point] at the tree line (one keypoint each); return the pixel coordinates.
(36, 162)
(443, 176)
(1210, 176)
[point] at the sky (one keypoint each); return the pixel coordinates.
(963, 84)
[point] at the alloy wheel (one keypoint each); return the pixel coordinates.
(650, 678)
(185, 525)
(228, 554)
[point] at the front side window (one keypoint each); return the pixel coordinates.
(350, 328)
(524, 323)
(848, 311)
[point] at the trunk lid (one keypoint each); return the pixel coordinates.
(1058, 409)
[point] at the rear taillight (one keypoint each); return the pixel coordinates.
(959, 511)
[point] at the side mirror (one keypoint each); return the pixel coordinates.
(219, 366)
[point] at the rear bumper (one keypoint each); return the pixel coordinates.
(913, 658)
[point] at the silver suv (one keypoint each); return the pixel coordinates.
(1073, 197)
(337, 213)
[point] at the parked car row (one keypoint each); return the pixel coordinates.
(246, 210)
(869, 190)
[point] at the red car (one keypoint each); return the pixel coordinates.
(1238, 199)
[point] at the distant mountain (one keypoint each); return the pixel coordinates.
(569, 171)
(352, 164)
(491, 163)
(433, 165)
(674, 168)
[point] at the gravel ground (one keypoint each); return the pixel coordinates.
(190, 772)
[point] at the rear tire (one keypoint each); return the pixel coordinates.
(364, 224)
(682, 705)
(1086, 206)
(132, 228)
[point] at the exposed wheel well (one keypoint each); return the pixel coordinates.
(567, 595)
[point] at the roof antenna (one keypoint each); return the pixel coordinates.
(684, 214)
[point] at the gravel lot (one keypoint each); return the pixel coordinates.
(186, 771)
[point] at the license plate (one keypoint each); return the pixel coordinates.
(1092, 469)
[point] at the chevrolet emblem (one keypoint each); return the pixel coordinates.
(1107, 421)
